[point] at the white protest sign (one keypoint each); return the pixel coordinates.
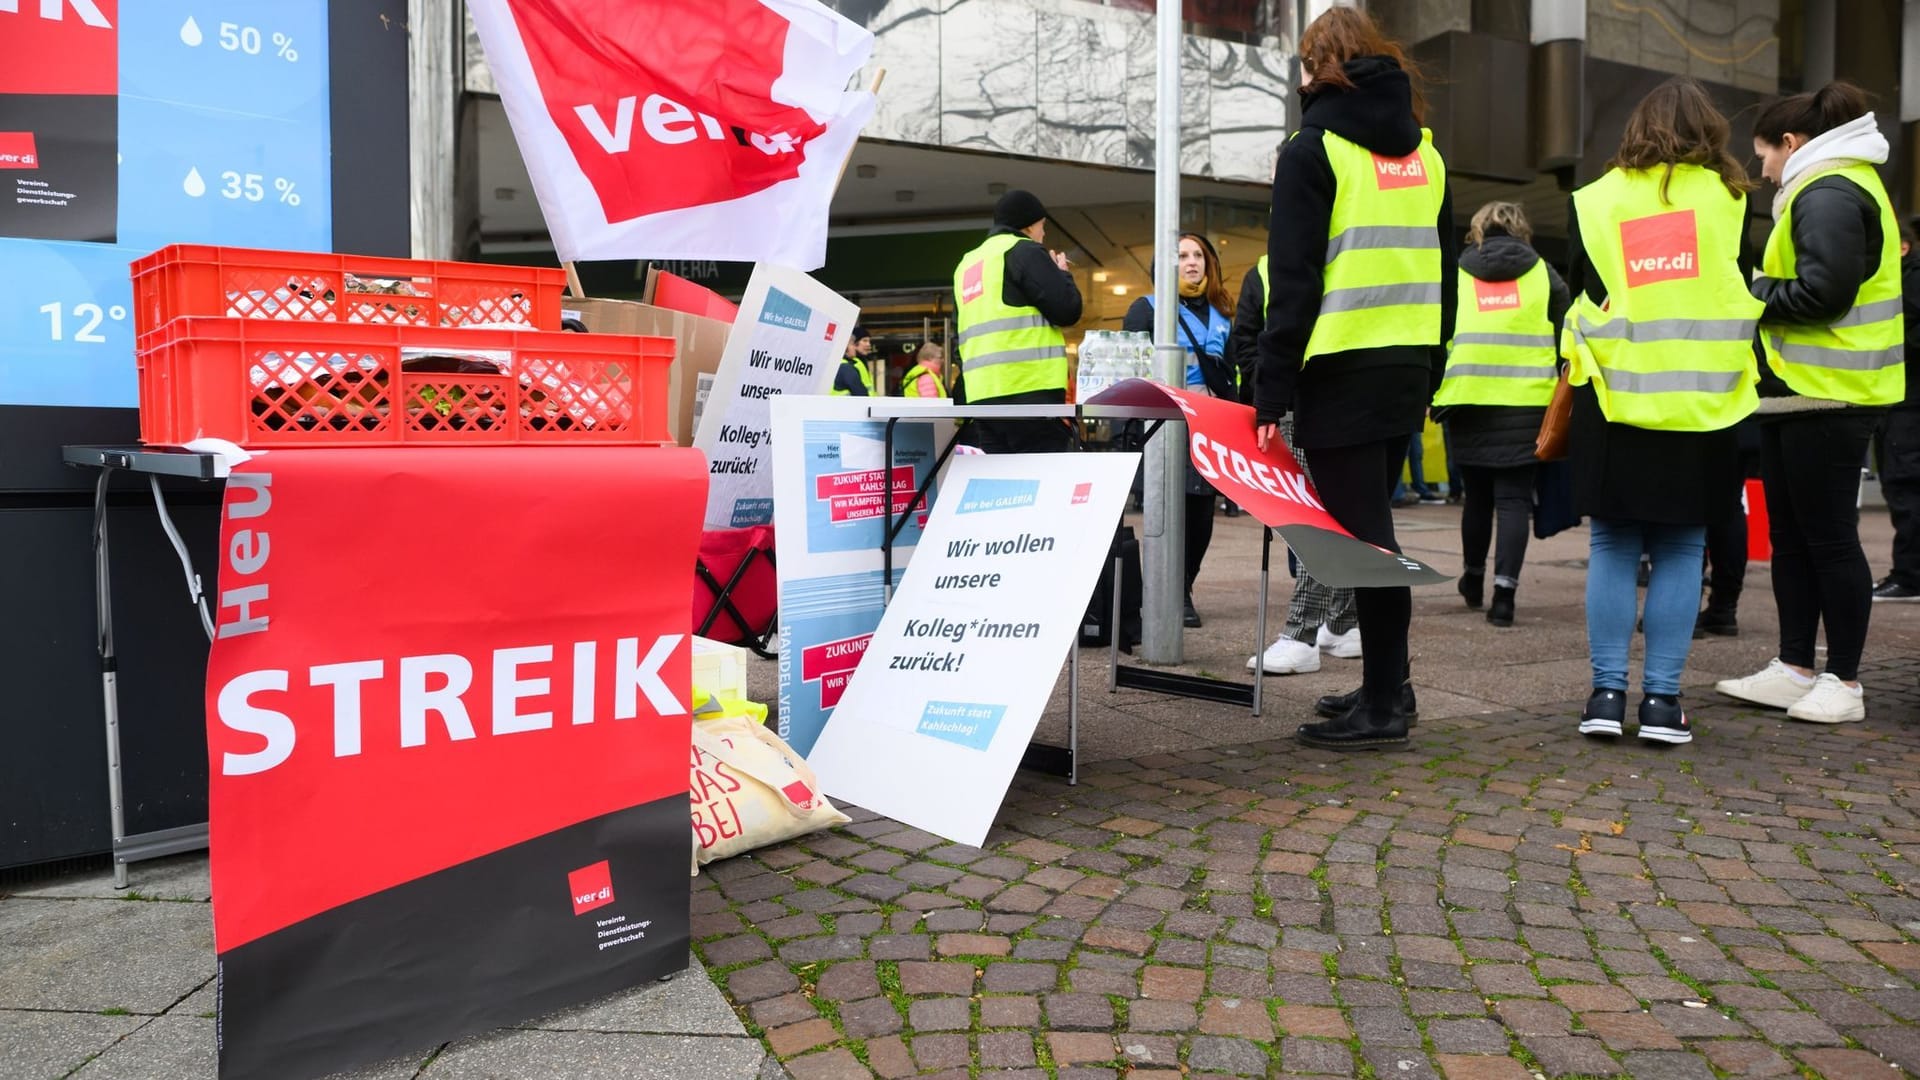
(954, 680)
(787, 339)
(829, 492)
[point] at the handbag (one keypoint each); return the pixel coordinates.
(1551, 444)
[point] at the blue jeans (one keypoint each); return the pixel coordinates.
(1416, 469)
(1673, 600)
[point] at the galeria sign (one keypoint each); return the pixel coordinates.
(448, 786)
(787, 339)
(671, 130)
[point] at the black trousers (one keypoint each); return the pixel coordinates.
(1199, 533)
(1811, 468)
(1507, 493)
(1900, 483)
(1356, 485)
(1727, 536)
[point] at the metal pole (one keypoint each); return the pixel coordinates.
(1164, 553)
(434, 88)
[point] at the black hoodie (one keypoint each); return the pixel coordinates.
(1502, 436)
(1364, 395)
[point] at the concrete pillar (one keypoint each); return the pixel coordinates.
(1559, 35)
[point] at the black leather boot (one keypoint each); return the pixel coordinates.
(1473, 587)
(1718, 619)
(1500, 612)
(1189, 616)
(1365, 728)
(1334, 706)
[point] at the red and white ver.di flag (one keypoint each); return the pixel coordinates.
(680, 129)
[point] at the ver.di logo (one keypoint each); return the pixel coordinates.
(591, 887)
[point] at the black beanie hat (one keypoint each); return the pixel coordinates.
(1018, 209)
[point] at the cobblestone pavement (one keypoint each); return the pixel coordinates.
(1503, 900)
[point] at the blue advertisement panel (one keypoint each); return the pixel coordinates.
(162, 122)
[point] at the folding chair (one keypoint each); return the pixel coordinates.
(736, 589)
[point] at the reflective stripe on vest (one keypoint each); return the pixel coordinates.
(1859, 358)
(1380, 285)
(1502, 352)
(910, 386)
(1005, 350)
(1672, 350)
(866, 377)
(1266, 287)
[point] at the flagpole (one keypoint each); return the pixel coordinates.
(1165, 493)
(879, 76)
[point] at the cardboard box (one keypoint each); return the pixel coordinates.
(701, 342)
(719, 668)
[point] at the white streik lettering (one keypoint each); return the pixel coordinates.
(509, 689)
(416, 701)
(240, 714)
(345, 680)
(633, 675)
(55, 11)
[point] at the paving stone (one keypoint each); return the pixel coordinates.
(942, 1051)
(828, 1065)
(1246, 1018)
(1674, 1065)
(940, 1014)
(1075, 1047)
(798, 1038)
(1844, 1064)
(1300, 1057)
(1481, 1067)
(866, 1019)
(1784, 1028)
(1482, 1036)
(1006, 1050)
(1571, 1055)
(938, 977)
(1077, 1012)
(1229, 1057)
(785, 1009)
(761, 981)
(1010, 1012)
(1387, 1027)
(1020, 978)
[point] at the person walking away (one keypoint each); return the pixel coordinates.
(1320, 618)
(1899, 465)
(1012, 298)
(1204, 328)
(854, 378)
(1501, 371)
(1834, 334)
(1660, 350)
(925, 379)
(1362, 299)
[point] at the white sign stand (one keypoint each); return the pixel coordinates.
(787, 340)
(954, 681)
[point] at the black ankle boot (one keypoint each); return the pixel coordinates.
(1500, 612)
(1365, 728)
(1605, 714)
(1334, 706)
(1720, 620)
(1473, 588)
(1189, 616)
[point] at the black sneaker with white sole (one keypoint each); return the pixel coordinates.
(1606, 711)
(1890, 591)
(1662, 720)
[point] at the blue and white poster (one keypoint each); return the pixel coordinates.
(786, 341)
(125, 127)
(954, 679)
(829, 502)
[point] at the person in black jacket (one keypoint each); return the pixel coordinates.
(1814, 434)
(1899, 465)
(1493, 444)
(850, 378)
(1356, 407)
(1203, 330)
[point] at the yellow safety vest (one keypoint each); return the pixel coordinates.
(866, 377)
(1672, 349)
(1007, 350)
(1502, 352)
(910, 386)
(1859, 358)
(1381, 282)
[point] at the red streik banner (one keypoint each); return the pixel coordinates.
(60, 47)
(1271, 486)
(448, 726)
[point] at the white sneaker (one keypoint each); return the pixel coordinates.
(1775, 686)
(1830, 702)
(1286, 657)
(1343, 646)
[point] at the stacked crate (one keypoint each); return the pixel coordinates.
(295, 349)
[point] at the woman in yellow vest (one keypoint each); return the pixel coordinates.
(926, 378)
(1834, 335)
(1362, 299)
(1659, 344)
(1501, 368)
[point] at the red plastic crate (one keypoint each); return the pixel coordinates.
(269, 383)
(296, 286)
